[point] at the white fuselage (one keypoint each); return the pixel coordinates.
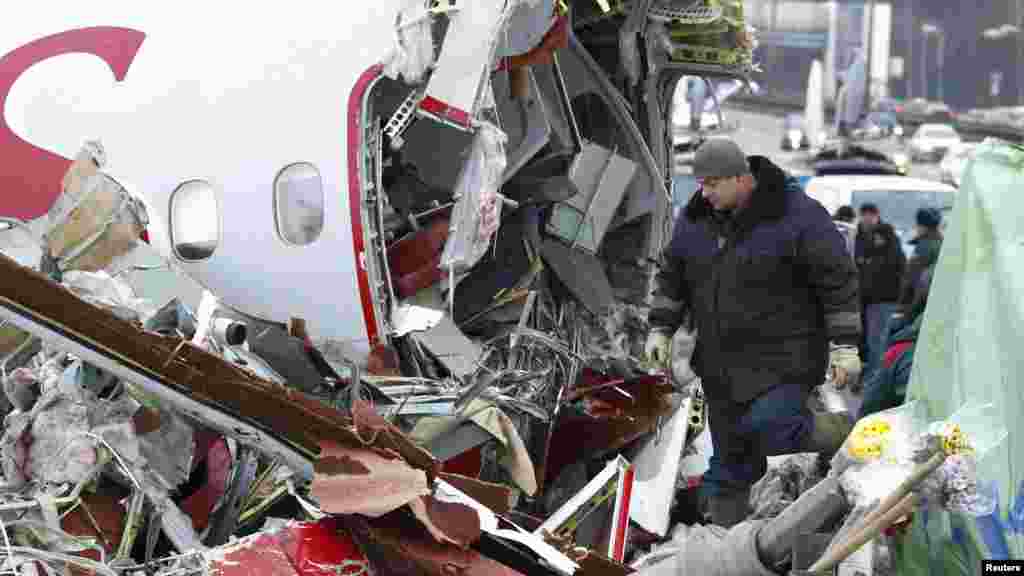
(217, 92)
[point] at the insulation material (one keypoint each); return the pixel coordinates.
(14, 448)
(60, 451)
(169, 448)
(787, 478)
(90, 159)
(478, 209)
(368, 482)
(95, 221)
(54, 442)
(413, 52)
(22, 242)
(22, 389)
(106, 291)
(516, 459)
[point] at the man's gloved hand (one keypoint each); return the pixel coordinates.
(658, 349)
(844, 365)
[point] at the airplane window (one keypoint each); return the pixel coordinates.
(195, 220)
(299, 203)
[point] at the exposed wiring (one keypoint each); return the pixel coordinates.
(42, 525)
(57, 557)
(7, 540)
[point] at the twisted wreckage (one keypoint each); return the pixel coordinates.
(450, 386)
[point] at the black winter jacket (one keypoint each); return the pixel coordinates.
(767, 289)
(881, 261)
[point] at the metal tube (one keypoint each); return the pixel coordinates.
(869, 53)
(942, 64)
(924, 66)
(775, 540)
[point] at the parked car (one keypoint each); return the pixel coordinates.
(867, 129)
(934, 111)
(887, 122)
(932, 141)
(954, 162)
(835, 159)
(794, 133)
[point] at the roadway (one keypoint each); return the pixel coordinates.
(761, 133)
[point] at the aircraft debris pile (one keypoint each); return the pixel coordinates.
(503, 423)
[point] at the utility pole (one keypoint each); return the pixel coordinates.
(908, 65)
(1018, 61)
(870, 53)
(924, 65)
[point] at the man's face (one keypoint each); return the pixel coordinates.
(870, 219)
(723, 193)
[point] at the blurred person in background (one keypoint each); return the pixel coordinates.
(845, 214)
(880, 262)
(927, 243)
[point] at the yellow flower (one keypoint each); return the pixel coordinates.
(954, 441)
(868, 438)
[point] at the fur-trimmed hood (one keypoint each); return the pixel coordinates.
(768, 200)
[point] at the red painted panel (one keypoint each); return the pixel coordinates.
(443, 111)
(300, 549)
(30, 177)
(355, 196)
(467, 464)
(199, 506)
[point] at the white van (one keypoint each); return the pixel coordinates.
(898, 197)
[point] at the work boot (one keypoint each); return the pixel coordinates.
(830, 431)
(728, 510)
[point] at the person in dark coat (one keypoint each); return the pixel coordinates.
(880, 261)
(927, 244)
(845, 214)
(771, 289)
(887, 388)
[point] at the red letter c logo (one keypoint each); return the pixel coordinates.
(30, 176)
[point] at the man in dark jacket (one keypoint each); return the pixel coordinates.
(768, 282)
(880, 261)
(927, 243)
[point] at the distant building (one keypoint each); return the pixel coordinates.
(793, 34)
(974, 65)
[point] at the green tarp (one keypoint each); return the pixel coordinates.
(971, 347)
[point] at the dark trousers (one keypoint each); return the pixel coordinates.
(744, 435)
(876, 323)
